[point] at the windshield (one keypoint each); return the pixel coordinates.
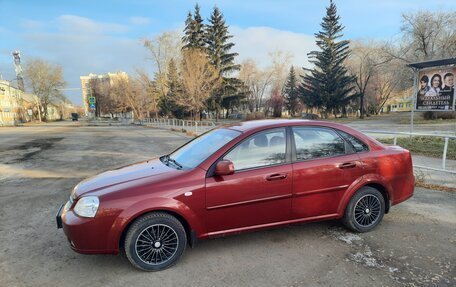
(196, 151)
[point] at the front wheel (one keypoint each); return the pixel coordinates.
(155, 241)
(365, 210)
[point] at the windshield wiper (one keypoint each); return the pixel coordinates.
(169, 159)
(175, 162)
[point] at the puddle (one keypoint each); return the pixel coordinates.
(28, 150)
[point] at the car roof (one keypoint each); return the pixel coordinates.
(255, 125)
(249, 127)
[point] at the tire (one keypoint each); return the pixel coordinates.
(155, 241)
(365, 210)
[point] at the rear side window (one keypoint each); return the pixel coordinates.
(312, 143)
(357, 144)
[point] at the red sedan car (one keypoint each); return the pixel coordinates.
(236, 178)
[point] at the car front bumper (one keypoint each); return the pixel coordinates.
(85, 235)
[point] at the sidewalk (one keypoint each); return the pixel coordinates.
(435, 177)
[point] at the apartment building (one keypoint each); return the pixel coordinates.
(93, 84)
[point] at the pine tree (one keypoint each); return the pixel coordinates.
(329, 86)
(291, 93)
(194, 34)
(188, 30)
(168, 103)
(218, 49)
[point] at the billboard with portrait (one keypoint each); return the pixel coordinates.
(436, 90)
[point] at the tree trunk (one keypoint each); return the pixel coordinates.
(38, 108)
(361, 106)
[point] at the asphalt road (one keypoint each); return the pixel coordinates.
(415, 245)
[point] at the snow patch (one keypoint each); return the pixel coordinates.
(366, 258)
(345, 236)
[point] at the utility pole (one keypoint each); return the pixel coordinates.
(18, 68)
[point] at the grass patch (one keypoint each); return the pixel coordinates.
(427, 146)
(422, 121)
(420, 181)
(350, 119)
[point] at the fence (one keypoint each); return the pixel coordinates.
(197, 127)
(404, 134)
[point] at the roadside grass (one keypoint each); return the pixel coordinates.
(350, 119)
(341, 120)
(422, 121)
(420, 181)
(427, 146)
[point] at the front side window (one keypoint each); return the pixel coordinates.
(312, 143)
(196, 151)
(262, 149)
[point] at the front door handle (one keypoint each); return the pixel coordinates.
(346, 165)
(276, 176)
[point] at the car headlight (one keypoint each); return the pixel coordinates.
(87, 206)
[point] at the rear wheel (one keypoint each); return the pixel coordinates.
(155, 241)
(365, 210)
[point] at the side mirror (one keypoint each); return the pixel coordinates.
(224, 167)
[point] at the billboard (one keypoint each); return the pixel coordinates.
(436, 90)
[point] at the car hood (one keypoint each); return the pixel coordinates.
(121, 175)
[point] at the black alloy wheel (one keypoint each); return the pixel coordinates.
(365, 210)
(155, 241)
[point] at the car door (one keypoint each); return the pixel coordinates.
(259, 191)
(324, 167)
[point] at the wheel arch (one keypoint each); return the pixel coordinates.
(384, 193)
(191, 234)
(173, 207)
(372, 180)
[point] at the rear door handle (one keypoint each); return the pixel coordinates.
(347, 165)
(276, 176)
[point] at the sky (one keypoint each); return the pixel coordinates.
(87, 36)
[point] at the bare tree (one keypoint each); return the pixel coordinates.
(430, 35)
(378, 75)
(199, 79)
(279, 68)
(152, 93)
(257, 81)
(163, 48)
(100, 88)
(365, 62)
(384, 86)
(132, 94)
(261, 82)
(45, 79)
(424, 36)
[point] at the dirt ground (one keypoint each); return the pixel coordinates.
(415, 245)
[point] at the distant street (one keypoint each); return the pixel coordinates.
(39, 165)
(400, 122)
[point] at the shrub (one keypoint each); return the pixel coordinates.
(439, 115)
(255, 116)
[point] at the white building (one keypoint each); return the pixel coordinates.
(88, 82)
